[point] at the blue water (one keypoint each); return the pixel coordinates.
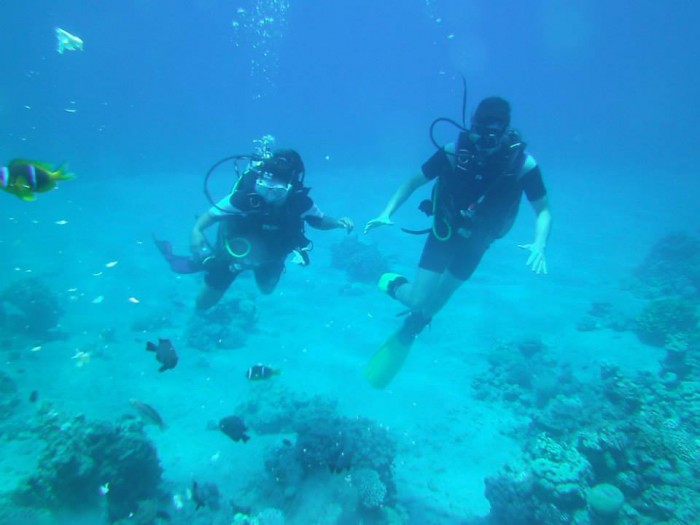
(604, 94)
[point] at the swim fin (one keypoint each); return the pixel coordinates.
(389, 359)
(178, 263)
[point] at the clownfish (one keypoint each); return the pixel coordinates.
(260, 371)
(25, 178)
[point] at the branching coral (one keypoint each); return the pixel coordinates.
(362, 262)
(81, 457)
(371, 490)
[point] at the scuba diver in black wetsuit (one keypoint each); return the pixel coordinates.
(475, 199)
(260, 223)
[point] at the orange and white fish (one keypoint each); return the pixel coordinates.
(25, 178)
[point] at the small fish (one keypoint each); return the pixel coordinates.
(148, 413)
(234, 428)
(25, 178)
(165, 353)
(260, 371)
(81, 358)
(67, 42)
(34, 396)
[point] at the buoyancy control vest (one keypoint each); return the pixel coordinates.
(263, 232)
(480, 191)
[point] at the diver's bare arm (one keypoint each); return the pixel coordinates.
(543, 222)
(400, 196)
(403, 193)
(330, 223)
(197, 238)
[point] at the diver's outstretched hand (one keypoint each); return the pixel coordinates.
(536, 261)
(382, 220)
(346, 222)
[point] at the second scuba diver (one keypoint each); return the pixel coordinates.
(260, 222)
(478, 186)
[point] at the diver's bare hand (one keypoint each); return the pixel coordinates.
(346, 222)
(382, 220)
(536, 261)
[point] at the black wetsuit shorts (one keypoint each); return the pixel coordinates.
(219, 275)
(458, 255)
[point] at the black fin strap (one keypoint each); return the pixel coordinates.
(395, 285)
(412, 326)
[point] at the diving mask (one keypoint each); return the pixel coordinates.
(486, 138)
(271, 190)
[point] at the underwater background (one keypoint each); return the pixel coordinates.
(567, 398)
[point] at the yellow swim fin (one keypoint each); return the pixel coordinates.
(387, 361)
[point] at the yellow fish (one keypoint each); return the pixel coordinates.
(24, 178)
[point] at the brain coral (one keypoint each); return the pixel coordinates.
(605, 500)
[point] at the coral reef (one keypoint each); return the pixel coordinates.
(682, 358)
(603, 315)
(9, 398)
(371, 490)
(637, 434)
(340, 443)
(31, 309)
(640, 436)
(349, 458)
(523, 374)
(276, 409)
(86, 462)
(624, 449)
(664, 319)
(226, 325)
(671, 268)
(333, 446)
(360, 261)
(605, 501)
